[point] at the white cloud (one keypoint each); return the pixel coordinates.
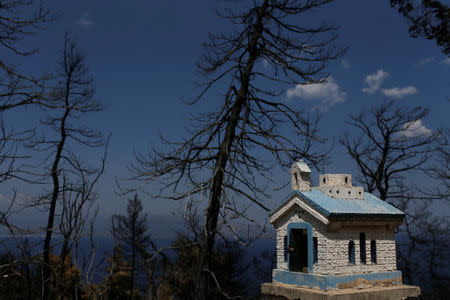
(415, 129)
(399, 93)
(328, 92)
(446, 61)
(345, 64)
(374, 81)
(85, 19)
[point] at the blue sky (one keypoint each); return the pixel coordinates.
(142, 55)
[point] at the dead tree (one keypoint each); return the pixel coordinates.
(230, 149)
(423, 246)
(19, 19)
(439, 170)
(77, 214)
(391, 143)
(71, 96)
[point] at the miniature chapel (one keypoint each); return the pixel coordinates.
(334, 233)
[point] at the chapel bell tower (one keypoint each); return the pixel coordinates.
(301, 180)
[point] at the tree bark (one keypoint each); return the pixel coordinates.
(212, 213)
(51, 215)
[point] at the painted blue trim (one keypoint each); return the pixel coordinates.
(308, 228)
(325, 282)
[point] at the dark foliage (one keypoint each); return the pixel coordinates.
(227, 276)
(131, 231)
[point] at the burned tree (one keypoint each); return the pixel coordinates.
(392, 144)
(230, 149)
(18, 20)
(77, 214)
(71, 96)
(439, 170)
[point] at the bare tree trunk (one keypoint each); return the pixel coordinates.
(212, 213)
(55, 193)
(72, 93)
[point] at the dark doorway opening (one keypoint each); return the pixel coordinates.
(298, 248)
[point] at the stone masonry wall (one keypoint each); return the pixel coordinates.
(337, 251)
(326, 180)
(342, 192)
(339, 186)
(333, 246)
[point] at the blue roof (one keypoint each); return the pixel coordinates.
(370, 206)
